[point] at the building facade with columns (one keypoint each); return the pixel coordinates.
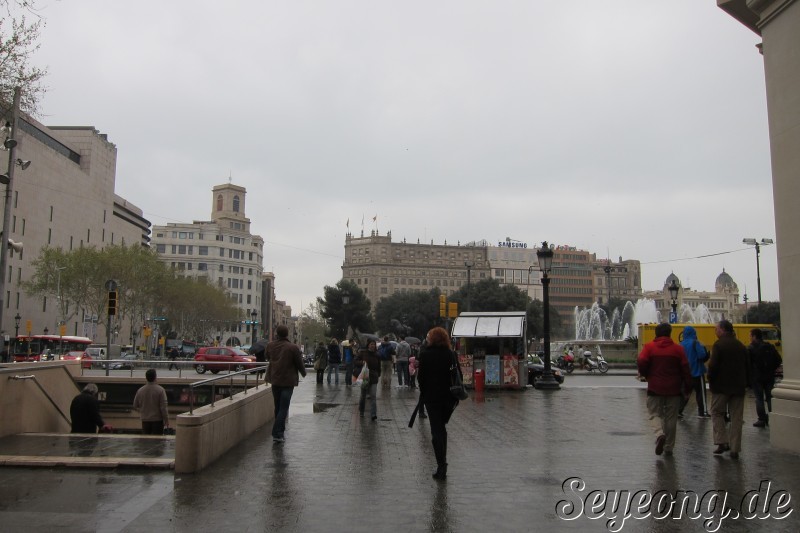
(699, 306)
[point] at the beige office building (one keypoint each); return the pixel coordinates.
(223, 250)
(64, 198)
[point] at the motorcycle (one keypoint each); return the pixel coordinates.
(598, 363)
(566, 362)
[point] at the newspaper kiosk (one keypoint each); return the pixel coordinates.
(494, 343)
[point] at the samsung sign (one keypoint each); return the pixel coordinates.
(510, 244)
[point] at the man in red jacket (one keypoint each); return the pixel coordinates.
(663, 363)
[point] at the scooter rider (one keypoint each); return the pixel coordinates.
(587, 359)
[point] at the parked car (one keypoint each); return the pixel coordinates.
(79, 355)
(536, 368)
(222, 358)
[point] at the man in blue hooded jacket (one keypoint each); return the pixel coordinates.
(697, 355)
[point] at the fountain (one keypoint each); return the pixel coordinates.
(594, 324)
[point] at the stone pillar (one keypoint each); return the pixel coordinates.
(778, 23)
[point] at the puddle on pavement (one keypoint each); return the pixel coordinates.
(308, 408)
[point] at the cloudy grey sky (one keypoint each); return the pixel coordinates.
(633, 128)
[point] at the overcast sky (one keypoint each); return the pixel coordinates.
(633, 128)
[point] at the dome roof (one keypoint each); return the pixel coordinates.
(670, 278)
(725, 280)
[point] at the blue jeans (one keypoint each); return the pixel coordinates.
(402, 373)
(282, 396)
(333, 367)
(348, 373)
(373, 400)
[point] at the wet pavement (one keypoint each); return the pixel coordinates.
(510, 454)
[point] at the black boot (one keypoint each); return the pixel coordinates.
(440, 451)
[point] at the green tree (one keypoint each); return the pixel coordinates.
(489, 295)
(409, 313)
(764, 313)
(18, 43)
(536, 321)
(312, 326)
(340, 316)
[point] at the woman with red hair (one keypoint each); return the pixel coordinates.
(435, 360)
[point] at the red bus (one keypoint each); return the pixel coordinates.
(47, 347)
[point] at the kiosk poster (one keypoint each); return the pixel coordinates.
(510, 371)
(465, 361)
(493, 370)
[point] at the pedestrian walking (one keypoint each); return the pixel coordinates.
(697, 355)
(663, 363)
(412, 371)
(764, 361)
(334, 359)
(285, 361)
(369, 357)
(85, 411)
(728, 372)
(173, 357)
(320, 361)
(151, 402)
(386, 354)
(347, 357)
(436, 359)
(403, 353)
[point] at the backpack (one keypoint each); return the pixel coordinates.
(385, 352)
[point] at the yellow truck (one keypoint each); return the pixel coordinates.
(707, 337)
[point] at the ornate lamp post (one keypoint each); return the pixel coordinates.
(545, 257)
(673, 294)
(469, 264)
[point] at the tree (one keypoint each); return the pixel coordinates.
(764, 313)
(409, 313)
(535, 317)
(18, 42)
(312, 326)
(489, 295)
(340, 316)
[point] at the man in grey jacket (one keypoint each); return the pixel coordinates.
(403, 353)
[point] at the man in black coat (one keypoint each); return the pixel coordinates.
(764, 361)
(85, 411)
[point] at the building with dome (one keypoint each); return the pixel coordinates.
(699, 306)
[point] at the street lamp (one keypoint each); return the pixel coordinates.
(46, 331)
(254, 314)
(545, 257)
(758, 245)
(17, 318)
(469, 264)
(673, 294)
(345, 301)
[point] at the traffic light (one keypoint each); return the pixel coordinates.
(453, 310)
(442, 305)
(112, 303)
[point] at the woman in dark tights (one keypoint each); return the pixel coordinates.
(435, 360)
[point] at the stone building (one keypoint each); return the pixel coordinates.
(63, 196)
(695, 306)
(225, 251)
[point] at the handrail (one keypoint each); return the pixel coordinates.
(25, 378)
(256, 369)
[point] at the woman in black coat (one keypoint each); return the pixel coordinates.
(435, 361)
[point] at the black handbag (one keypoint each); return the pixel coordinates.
(457, 388)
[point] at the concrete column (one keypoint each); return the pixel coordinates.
(778, 23)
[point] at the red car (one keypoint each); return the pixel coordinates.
(86, 359)
(216, 358)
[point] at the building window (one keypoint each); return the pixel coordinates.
(219, 202)
(161, 248)
(236, 204)
(202, 250)
(182, 249)
(202, 267)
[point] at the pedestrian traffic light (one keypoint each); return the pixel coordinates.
(112, 303)
(442, 305)
(453, 310)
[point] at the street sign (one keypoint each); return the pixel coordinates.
(673, 317)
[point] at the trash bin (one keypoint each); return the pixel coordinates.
(480, 380)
